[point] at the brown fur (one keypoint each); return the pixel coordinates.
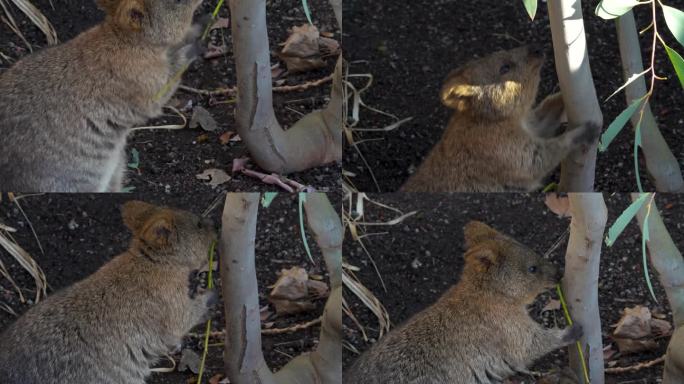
(495, 140)
(479, 331)
(66, 111)
(110, 327)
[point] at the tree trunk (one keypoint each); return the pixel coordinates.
(660, 162)
(314, 140)
(580, 283)
(577, 86)
(667, 260)
(244, 361)
(324, 365)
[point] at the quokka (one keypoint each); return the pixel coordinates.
(112, 326)
(66, 111)
(479, 331)
(495, 141)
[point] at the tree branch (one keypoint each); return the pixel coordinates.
(580, 283)
(324, 365)
(577, 86)
(314, 140)
(244, 360)
(660, 162)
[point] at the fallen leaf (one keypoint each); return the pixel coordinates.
(627, 346)
(214, 177)
(189, 361)
(214, 51)
(634, 324)
(202, 117)
(221, 22)
(202, 138)
(216, 379)
(560, 205)
(660, 328)
(293, 291)
(305, 49)
(225, 138)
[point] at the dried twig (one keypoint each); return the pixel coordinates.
(636, 367)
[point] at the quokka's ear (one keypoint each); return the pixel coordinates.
(455, 90)
(109, 6)
(136, 213)
(476, 232)
(158, 231)
(482, 258)
(131, 14)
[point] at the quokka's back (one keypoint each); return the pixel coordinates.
(112, 326)
(65, 111)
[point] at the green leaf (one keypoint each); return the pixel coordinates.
(307, 11)
(616, 126)
(302, 200)
(531, 7)
(637, 144)
(645, 237)
(674, 18)
(268, 198)
(135, 159)
(625, 217)
(677, 63)
(611, 9)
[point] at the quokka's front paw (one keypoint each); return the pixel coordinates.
(573, 333)
(585, 135)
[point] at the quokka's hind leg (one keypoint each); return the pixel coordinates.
(546, 119)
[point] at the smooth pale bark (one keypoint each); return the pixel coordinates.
(668, 261)
(314, 140)
(244, 360)
(580, 283)
(324, 365)
(577, 86)
(660, 162)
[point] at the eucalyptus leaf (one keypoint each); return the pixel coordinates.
(677, 63)
(637, 144)
(307, 11)
(611, 9)
(625, 217)
(616, 126)
(531, 7)
(674, 18)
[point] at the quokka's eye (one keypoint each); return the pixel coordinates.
(504, 69)
(532, 269)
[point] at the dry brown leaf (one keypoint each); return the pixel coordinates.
(627, 346)
(214, 51)
(293, 291)
(225, 137)
(304, 49)
(221, 22)
(634, 324)
(202, 117)
(214, 177)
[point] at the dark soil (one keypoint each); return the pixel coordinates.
(421, 257)
(169, 160)
(98, 235)
(410, 47)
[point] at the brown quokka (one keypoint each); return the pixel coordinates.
(479, 331)
(495, 140)
(65, 112)
(110, 327)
